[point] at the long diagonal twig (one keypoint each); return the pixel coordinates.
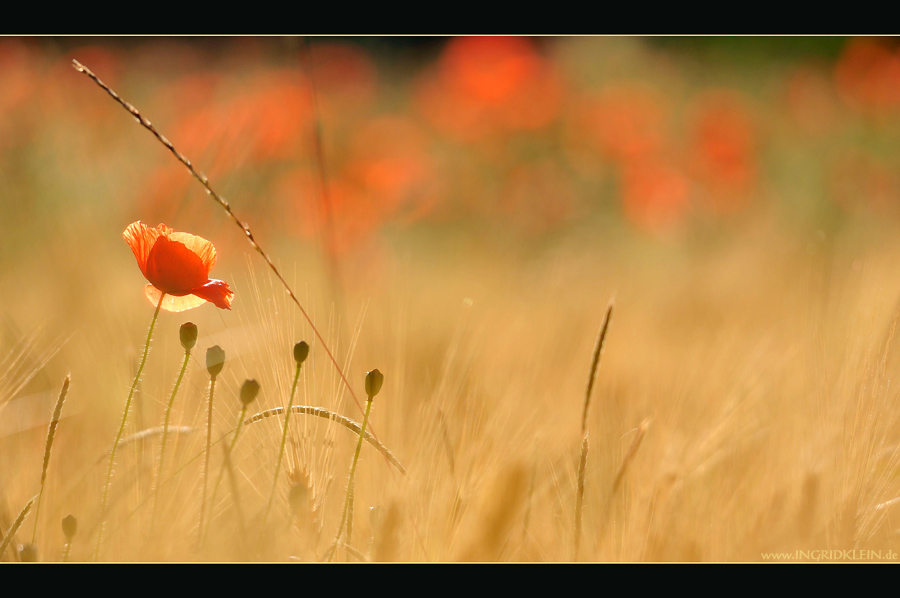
(201, 178)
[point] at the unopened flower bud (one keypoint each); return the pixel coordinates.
(301, 350)
(215, 360)
(374, 380)
(249, 391)
(188, 335)
(70, 526)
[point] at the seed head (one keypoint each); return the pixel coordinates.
(215, 360)
(374, 380)
(188, 335)
(301, 350)
(249, 391)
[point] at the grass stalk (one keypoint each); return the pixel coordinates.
(8, 538)
(348, 423)
(299, 358)
(249, 390)
(374, 380)
(165, 436)
(630, 453)
(51, 434)
(585, 441)
(112, 455)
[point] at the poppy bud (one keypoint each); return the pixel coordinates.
(374, 380)
(215, 360)
(249, 391)
(70, 526)
(188, 335)
(28, 553)
(301, 350)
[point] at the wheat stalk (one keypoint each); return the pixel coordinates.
(7, 540)
(585, 442)
(51, 434)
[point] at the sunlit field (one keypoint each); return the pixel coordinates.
(470, 217)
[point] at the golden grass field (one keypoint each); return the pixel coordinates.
(474, 228)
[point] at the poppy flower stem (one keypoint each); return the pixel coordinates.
(212, 390)
(287, 419)
(165, 434)
(112, 454)
(348, 502)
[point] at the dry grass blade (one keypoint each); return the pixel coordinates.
(585, 444)
(579, 493)
(7, 540)
(344, 421)
(245, 228)
(595, 365)
(629, 455)
(144, 434)
(51, 434)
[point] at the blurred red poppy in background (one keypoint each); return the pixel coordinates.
(488, 85)
(868, 76)
(724, 149)
(177, 265)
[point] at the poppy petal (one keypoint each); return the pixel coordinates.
(141, 239)
(203, 248)
(173, 303)
(172, 267)
(216, 292)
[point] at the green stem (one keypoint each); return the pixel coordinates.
(287, 419)
(162, 447)
(230, 452)
(349, 500)
(212, 391)
(112, 455)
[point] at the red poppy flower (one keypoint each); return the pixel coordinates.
(178, 265)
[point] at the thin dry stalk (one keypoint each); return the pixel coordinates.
(245, 228)
(51, 434)
(579, 492)
(7, 540)
(630, 453)
(595, 365)
(145, 434)
(585, 443)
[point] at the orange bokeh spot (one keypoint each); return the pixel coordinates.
(868, 76)
(266, 121)
(723, 149)
(488, 69)
(625, 122)
(655, 195)
(483, 86)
